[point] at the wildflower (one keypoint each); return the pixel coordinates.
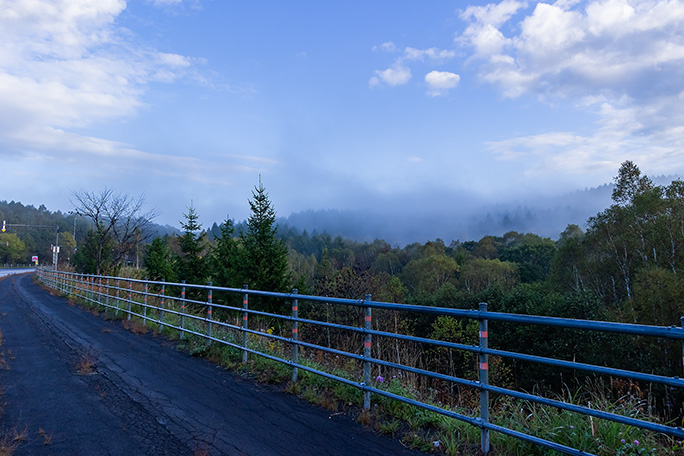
(622, 440)
(380, 379)
(636, 443)
(572, 427)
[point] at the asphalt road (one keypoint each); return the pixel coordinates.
(6, 272)
(143, 396)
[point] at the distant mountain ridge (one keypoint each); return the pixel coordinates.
(547, 216)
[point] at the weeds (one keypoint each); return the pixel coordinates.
(415, 427)
(86, 365)
(134, 326)
(8, 445)
(47, 438)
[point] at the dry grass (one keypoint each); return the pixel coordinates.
(86, 365)
(47, 438)
(201, 451)
(134, 326)
(364, 418)
(7, 446)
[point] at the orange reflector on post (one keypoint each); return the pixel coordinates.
(483, 334)
(484, 366)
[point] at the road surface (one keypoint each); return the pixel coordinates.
(143, 397)
(6, 272)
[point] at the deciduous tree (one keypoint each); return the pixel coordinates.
(117, 218)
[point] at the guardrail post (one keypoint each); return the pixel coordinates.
(209, 316)
(107, 298)
(367, 354)
(161, 307)
(99, 292)
(245, 320)
(130, 294)
(484, 380)
(295, 335)
(147, 288)
(130, 307)
(182, 318)
(118, 287)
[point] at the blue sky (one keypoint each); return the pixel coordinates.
(409, 106)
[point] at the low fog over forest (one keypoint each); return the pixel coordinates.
(458, 220)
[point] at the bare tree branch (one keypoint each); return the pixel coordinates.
(117, 217)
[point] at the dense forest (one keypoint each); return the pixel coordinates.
(626, 266)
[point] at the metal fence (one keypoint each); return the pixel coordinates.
(166, 305)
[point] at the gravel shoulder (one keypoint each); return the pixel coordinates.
(76, 384)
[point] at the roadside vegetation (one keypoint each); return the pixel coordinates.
(625, 266)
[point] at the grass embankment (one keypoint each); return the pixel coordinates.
(417, 428)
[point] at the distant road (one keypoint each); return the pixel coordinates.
(141, 396)
(6, 272)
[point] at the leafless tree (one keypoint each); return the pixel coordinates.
(116, 217)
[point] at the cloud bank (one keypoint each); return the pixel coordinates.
(620, 61)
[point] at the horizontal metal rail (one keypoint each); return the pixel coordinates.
(101, 291)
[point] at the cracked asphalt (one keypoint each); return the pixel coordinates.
(142, 396)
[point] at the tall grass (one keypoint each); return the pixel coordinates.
(416, 427)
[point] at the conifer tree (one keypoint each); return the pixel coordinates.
(224, 257)
(264, 257)
(159, 260)
(191, 264)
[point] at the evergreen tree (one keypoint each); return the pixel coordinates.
(264, 257)
(86, 259)
(159, 260)
(224, 257)
(191, 263)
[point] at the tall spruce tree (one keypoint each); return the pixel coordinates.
(191, 264)
(264, 257)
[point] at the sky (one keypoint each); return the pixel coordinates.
(397, 105)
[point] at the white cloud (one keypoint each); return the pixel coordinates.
(622, 60)
(432, 54)
(561, 49)
(65, 64)
(399, 73)
(440, 82)
(385, 47)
